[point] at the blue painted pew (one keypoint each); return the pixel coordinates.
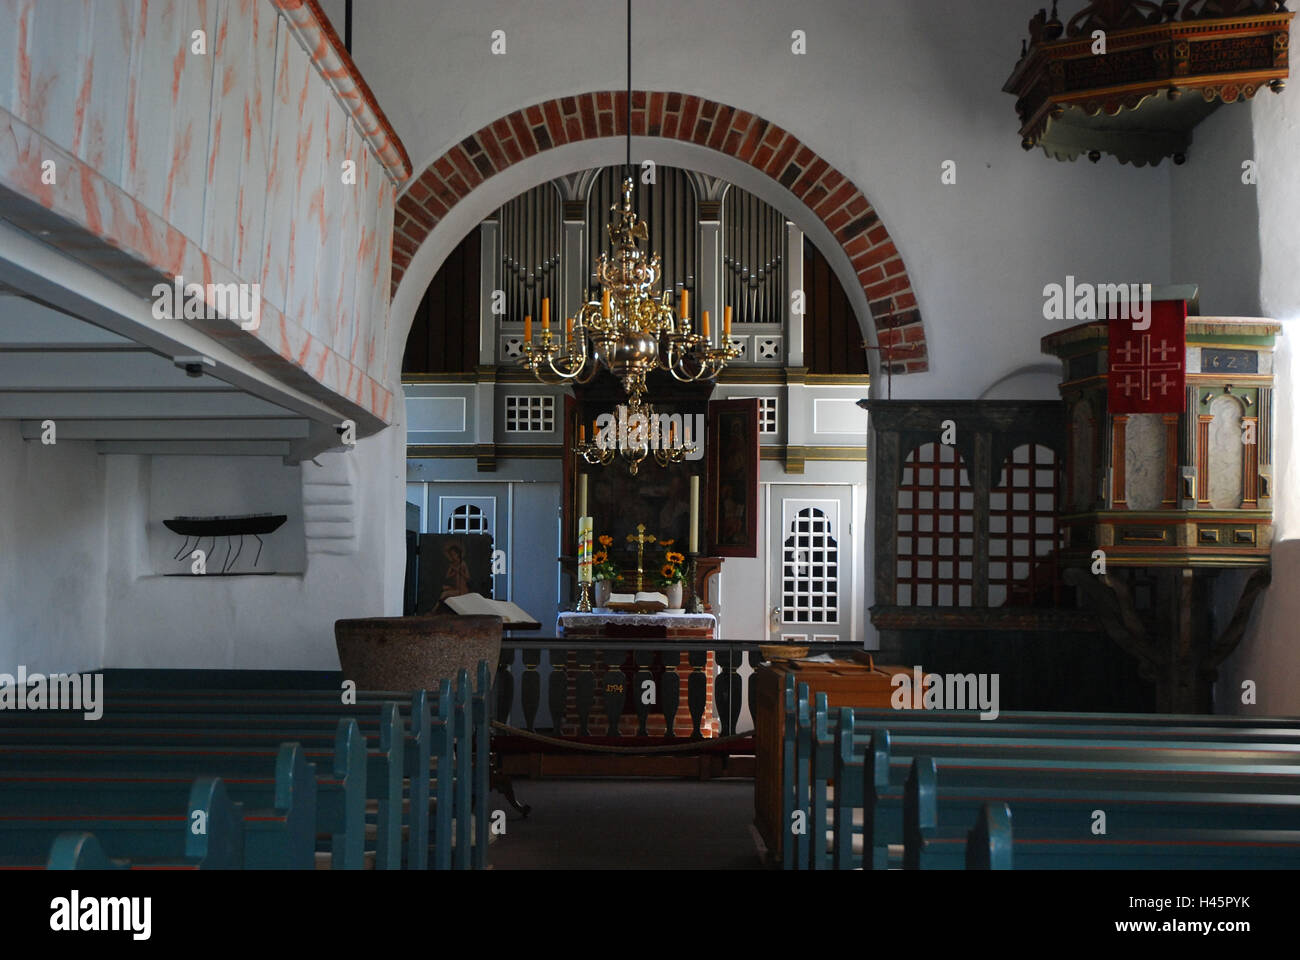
(935, 816)
(445, 729)
(427, 742)
(160, 838)
(845, 759)
(882, 796)
(340, 769)
(988, 845)
(385, 756)
(992, 845)
(815, 736)
(81, 851)
(1256, 736)
(279, 806)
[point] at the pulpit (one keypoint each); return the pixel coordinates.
(1169, 485)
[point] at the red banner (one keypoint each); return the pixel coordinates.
(1148, 366)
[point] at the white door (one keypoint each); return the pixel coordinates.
(810, 563)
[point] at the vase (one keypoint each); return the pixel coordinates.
(603, 589)
(674, 592)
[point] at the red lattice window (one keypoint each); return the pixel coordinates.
(1023, 533)
(935, 529)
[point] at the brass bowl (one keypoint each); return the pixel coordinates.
(781, 651)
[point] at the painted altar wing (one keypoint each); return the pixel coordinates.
(1147, 363)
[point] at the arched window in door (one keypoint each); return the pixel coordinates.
(467, 518)
(810, 581)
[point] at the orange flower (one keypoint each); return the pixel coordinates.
(600, 556)
(605, 540)
(675, 557)
(666, 543)
(668, 570)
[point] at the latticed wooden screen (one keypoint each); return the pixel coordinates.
(935, 529)
(1023, 532)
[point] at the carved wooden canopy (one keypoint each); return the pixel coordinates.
(1132, 78)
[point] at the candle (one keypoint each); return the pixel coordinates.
(584, 550)
(726, 322)
(686, 304)
(695, 513)
(582, 494)
(672, 433)
(704, 324)
(546, 314)
(528, 329)
(582, 433)
(604, 303)
(568, 328)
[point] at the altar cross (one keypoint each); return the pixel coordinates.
(640, 538)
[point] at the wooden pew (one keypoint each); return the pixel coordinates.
(340, 789)
(816, 760)
(935, 815)
(466, 720)
(279, 806)
(427, 744)
(992, 845)
(883, 795)
(81, 851)
(988, 845)
(156, 833)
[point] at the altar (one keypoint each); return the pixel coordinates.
(677, 683)
(608, 623)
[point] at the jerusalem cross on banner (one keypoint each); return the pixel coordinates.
(1147, 367)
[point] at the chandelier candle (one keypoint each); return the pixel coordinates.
(582, 494)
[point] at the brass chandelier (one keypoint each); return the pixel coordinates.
(639, 435)
(626, 329)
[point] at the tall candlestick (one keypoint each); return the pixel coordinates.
(582, 494)
(695, 513)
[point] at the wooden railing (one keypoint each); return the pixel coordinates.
(660, 690)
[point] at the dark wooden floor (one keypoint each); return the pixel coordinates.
(629, 824)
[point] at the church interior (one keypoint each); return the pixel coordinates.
(727, 435)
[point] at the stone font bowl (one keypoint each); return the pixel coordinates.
(414, 653)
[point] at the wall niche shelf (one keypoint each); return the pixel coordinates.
(198, 529)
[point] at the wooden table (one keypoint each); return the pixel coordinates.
(854, 682)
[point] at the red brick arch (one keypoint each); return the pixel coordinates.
(678, 116)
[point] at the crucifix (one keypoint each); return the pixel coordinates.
(640, 538)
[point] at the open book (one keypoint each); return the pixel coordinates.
(645, 596)
(475, 603)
